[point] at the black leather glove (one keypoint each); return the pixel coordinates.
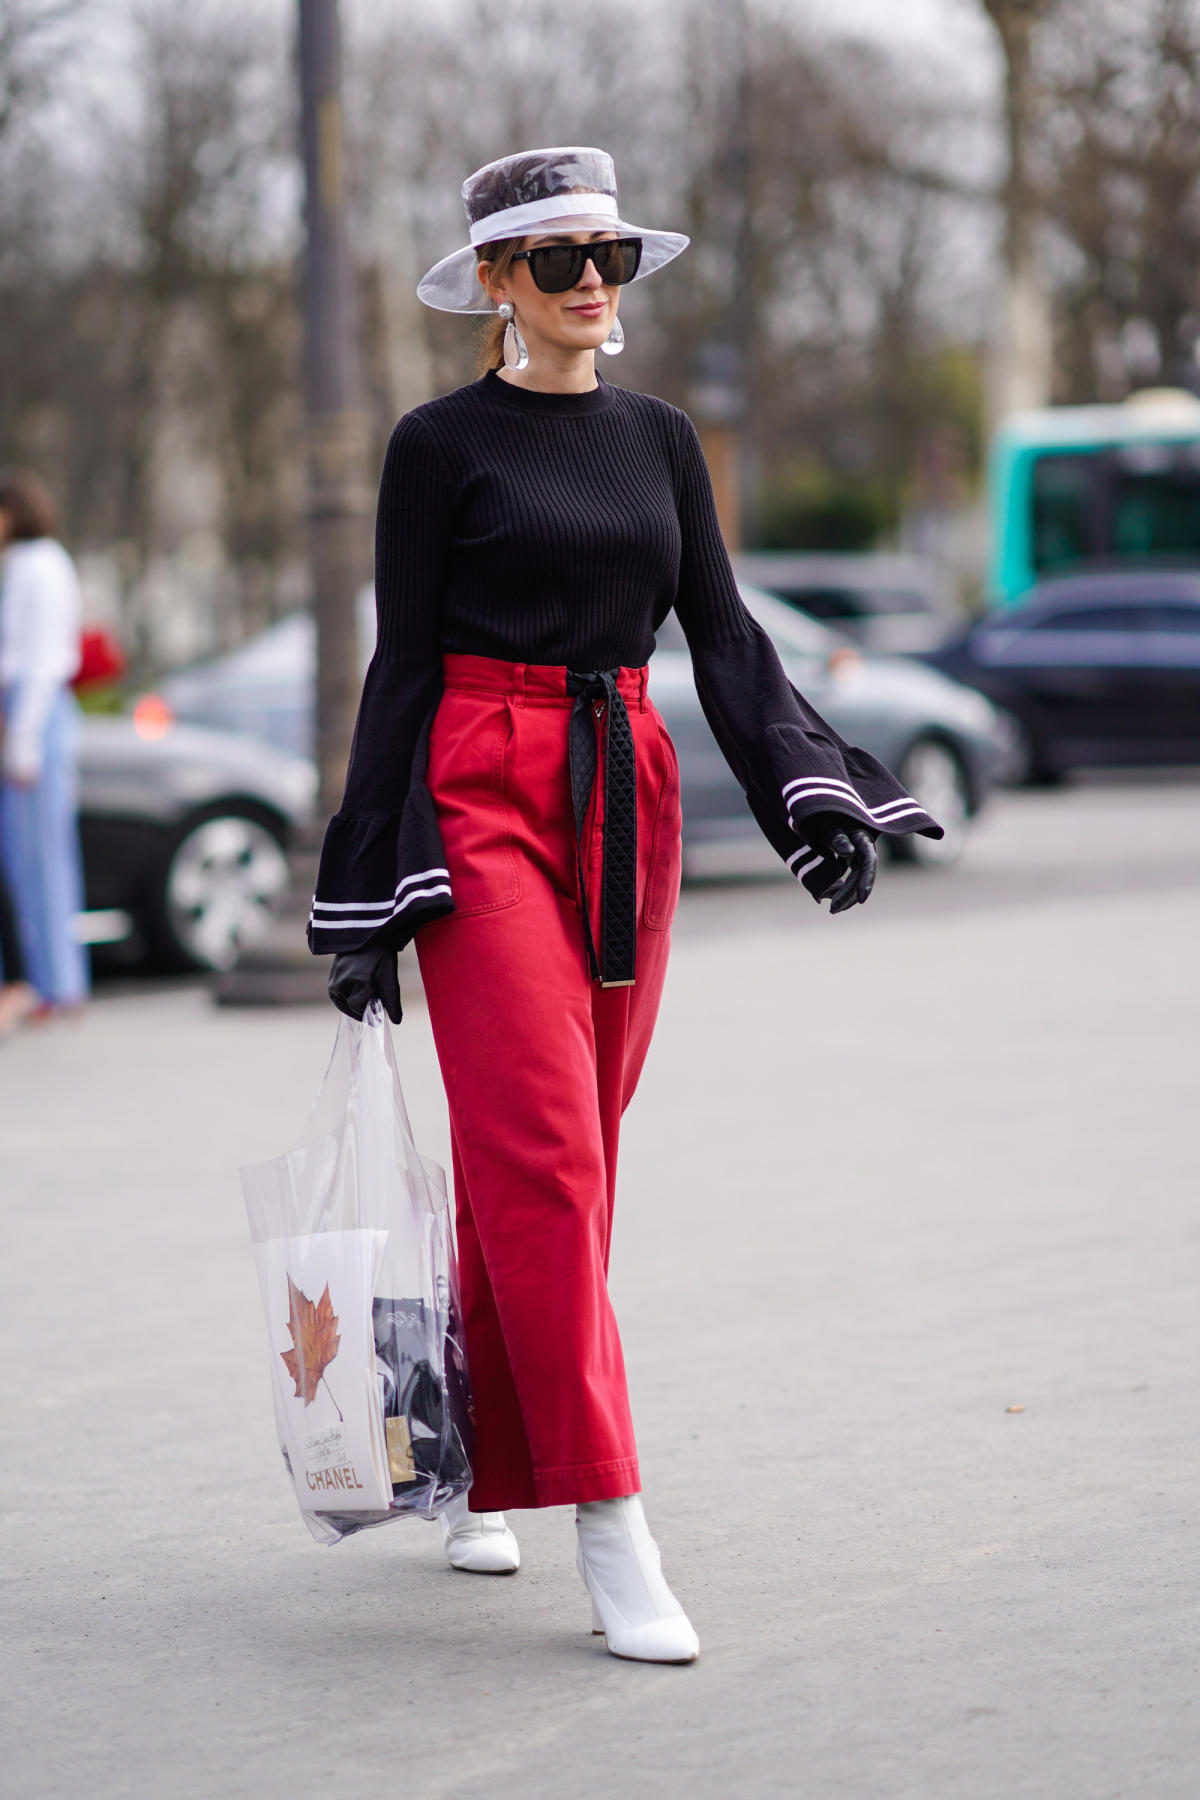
(850, 844)
(360, 976)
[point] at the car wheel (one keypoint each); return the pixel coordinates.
(1015, 764)
(215, 890)
(1022, 763)
(934, 774)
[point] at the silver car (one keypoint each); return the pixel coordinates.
(879, 599)
(933, 735)
(936, 735)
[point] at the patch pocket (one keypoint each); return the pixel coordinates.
(665, 868)
(469, 748)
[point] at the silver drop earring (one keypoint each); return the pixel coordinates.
(614, 343)
(516, 351)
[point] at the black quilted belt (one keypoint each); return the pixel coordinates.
(614, 966)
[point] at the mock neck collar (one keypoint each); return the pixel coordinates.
(535, 400)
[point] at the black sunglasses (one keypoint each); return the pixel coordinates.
(557, 267)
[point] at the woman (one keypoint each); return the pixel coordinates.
(513, 802)
(39, 653)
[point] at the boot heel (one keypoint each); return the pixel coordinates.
(597, 1622)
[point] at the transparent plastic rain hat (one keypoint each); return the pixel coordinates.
(571, 188)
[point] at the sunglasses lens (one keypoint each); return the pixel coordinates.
(556, 267)
(617, 260)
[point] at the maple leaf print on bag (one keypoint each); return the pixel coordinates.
(315, 1340)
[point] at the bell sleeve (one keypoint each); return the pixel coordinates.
(789, 761)
(383, 867)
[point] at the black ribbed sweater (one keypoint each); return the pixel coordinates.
(547, 528)
(561, 529)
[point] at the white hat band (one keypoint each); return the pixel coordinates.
(515, 221)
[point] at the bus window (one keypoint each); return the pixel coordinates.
(1069, 485)
(1063, 489)
(1155, 513)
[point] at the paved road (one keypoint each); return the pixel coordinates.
(888, 1176)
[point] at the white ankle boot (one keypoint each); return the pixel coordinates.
(478, 1542)
(631, 1603)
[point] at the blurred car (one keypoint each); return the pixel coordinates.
(882, 601)
(185, 834)
(1096, 670)
(265, 687)
(937, 736)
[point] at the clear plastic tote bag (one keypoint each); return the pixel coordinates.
(354, 1247)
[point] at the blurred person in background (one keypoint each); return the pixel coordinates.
(39, 830)
(17, 998)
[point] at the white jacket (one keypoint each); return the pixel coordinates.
(40, 616)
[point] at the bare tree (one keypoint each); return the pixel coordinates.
(1122, 190)
(1021, 359)
(433, 95)
(150, 352)
(35, 35)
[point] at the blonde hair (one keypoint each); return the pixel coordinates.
(499, 257)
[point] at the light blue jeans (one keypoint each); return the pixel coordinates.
(39, 844)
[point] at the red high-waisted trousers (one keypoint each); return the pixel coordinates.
(539, 1062)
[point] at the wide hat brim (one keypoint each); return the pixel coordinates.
(453, 286)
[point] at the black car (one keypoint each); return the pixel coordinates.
(185, 834)
(1097, 670)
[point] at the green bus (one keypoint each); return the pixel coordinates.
(1073, 485)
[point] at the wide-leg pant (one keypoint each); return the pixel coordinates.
(39, 844)
(539, 1062)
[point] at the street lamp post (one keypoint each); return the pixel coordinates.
(336, 430)
(279, 969)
